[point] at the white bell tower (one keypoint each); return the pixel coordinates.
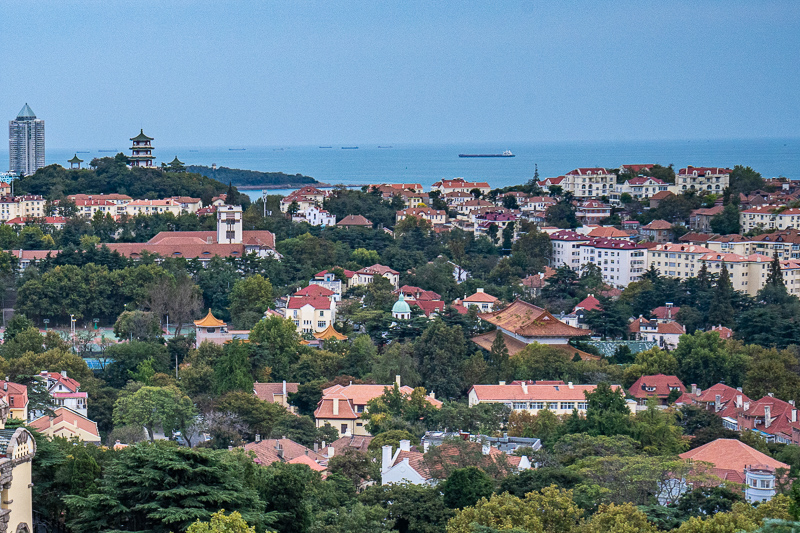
(229, 224)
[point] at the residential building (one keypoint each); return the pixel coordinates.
(26, 258)
(457, 198)
(25, 143)
(769, 217)
(328, 281)
(154, 207)
(665, 334)
(608, 232)
(592, 212)
(676, 260)
(354, 221)
(65, 392)
(620, 261)
(659, 386)
(316, 216)
(659, 197)
(467, 207)
(725, 401)
(709, 179)
(659, 231)
(342, 406)
(276, 393)
(269, 451)
(481, 300)
(67, 424)
(142, 151)
(566, 248)
(365, 275)
(533, 396)
(747, 273)
(16, 399)
(665, 313)
(735, 462)
(17, 449)
(700, 219)
(397, 188)
(774, 419)
(434, 216)
(54, 222)
(642, 187)
(785, 243)
(459, 185)
(584, 182)
(313, 313)
(305, 197)
(189, 204)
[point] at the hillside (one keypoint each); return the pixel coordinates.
(252, 178)
(110, 176)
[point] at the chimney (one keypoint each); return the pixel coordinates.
(405, 445)
(771, 394)
(694, 388)
(64, 373)
(258, 437)
(397, 380)
(738, 401)
(717, 402)
(316, 447)
(432, 395)
(331, 451)
(347, 432)
(336, 406)
(425, 445)
(524, 388)
(794, 415)
(486, 449)
(279, 449)
(386, 458)
(502, 383)
(767, 416)
(669, 310)
(480, 290)
(569, 384)
(746, 406)
(284, 391)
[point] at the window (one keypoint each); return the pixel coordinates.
(568, 405)
(321, 323)
(552, 405)
(520, 405)
(537, 405)
(343, 429)
(583, 405)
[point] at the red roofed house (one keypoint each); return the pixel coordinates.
(365, 275)
(533, 396)
(726, 402)
(665, 313)
(590, 303)
(703, 178)
(657, 231)
(354, 221)
(305, 197)
(776, 420)
(585, 182)
(665, 334)
(311, 314)
(735, 461)
(641, 187)
(65, 392)
(459, 185)
(16, 396)
(268, 451)
(700, 219)
(276, 393)
(659, 197)
(724, 333)
(327, 279)
(483, 301)
(341, 406)
(659, 385)
(67, 424)
(434, 216)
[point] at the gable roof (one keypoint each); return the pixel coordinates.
(527, 320)
(731, 454)
(665, 313)
(314, 290)
(268, 391)
(354, 220)
(480, 297)
(268, 451)
(662, 384)
(67, 420)
(658, 225)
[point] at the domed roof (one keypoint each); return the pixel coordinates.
(400, 306)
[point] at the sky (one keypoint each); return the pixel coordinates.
(249, 73)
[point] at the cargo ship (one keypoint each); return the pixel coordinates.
(507, 153)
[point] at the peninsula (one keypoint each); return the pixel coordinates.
(253, 179)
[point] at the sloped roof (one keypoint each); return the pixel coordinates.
(314, 290)
(731, 454)
(663, 312)
(658, 225)
(480, 297)
(660, 382)
(609, 232)
(141, 137)
(308, 461)
(75, 159)
(330, 333)
(549, 391)
(353, 442)
(67, 418)
(268, 449)
(267, 391)
(354, 220)
(660, 195)
(317, 302)
(527, 320)
(26, 113)
(590, 303)
(209, 321)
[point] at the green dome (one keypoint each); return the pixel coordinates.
(401, 307)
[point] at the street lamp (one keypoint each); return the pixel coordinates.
(46, 322)
(96, 321)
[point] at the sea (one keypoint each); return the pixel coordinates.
(428, 163)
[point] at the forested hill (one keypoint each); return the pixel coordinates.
(111, 176)
(252, 178)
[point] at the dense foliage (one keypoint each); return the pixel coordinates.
(251, 177)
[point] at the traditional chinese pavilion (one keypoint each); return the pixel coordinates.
(142, 151)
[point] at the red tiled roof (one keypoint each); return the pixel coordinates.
(317, 302)
(377, 269)
(658, 225)
(731, 455)
(587, 171)
(354, 442)
(662, 384)
(702, 170)
(665, 313)
(268, 451)
(354, 220)
(15, 395)
(590, 303)
(528, 320)
(660, 195)
(429, 306)
(608, 232)
(511, 392)
(724, 333)
(60, 379)
(70, 417)
(314, 290)
(480, 297)
(267, 391)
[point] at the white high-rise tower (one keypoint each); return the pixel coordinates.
(26, 142)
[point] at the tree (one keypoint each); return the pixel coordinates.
(139, 325)
(706, 501)
(773, 371)
(220, 523)
(607, 413)
(726, 222)
(438, 351)
(721, 309)
(548, 510)
(465, 486)
(657, 431)
(498, 357)
(153, 408)
(18, 323)
(703, 358)
(354, 465)
(249, 300)
(573, 447)
(278, 345)
(412, 508)
(625, 518)
(562, 214)
(191, 484)
(259, 417)
(232, 370)
(360, 357)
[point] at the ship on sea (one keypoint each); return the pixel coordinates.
(507, 153)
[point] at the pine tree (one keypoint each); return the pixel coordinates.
(230, 198)
(721, 310)
(498, 357)
(774, 291)
(703, 279)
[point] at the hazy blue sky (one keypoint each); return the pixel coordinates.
(223, 73)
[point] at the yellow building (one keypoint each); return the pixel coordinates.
(676, 260)
(67, 424)
(747, 273)
(17, 449)
(16, 398)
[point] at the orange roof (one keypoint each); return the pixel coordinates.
(527, 320)
(658, 225)
(267, 391)
(480, 296)
(209, 322)
(314, 290)
(329, 333)
(731, 454)
(66, 417)
(308, 461)
(514, 391)
(609, 232)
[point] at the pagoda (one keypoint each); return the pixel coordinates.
(142, 151)
(75, 162)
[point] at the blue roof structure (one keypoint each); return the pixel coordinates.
(26, 113)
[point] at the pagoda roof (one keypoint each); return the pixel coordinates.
(26, 113)
(329, 333)
(140, 137)
(176, 161)
(75, 159)
(209, 322)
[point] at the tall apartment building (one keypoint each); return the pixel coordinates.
(25, 142)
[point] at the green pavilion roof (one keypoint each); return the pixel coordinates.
(176, 161)
(26, 113)
(141, 137)
(75, 159)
